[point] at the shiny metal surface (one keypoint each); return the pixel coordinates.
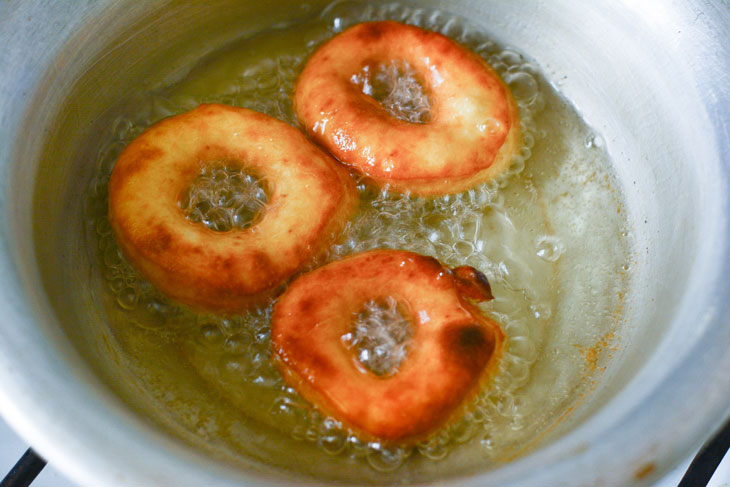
(653, 77)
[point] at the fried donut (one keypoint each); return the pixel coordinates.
(474, 127)
(453, 350)
(311, 197)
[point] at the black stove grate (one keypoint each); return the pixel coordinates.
(25, 471)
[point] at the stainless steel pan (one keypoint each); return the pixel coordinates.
(653, 77)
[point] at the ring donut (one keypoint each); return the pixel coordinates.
(311, 197)
(474, 127)
(454, 348)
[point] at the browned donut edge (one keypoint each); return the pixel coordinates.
(216, 271)
(324, 94)
(462, 343)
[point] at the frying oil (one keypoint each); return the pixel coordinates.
(549, 235)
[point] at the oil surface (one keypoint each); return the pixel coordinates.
(549, 235)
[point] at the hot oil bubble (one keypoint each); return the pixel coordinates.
(112, 256)
(453, 28)
(210, 335)
(594, 141)
(510, 57)
(386, 459)
(238, 342)
(380, 336)
(128, 297)
(223, 199)
(549, 248)
(398, 89)
(464, 429)
(523, 86)
(289, 413)
(435, 448)
(332, 437)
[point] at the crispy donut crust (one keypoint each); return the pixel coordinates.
(474, 128)
(310, 197)
(453, 352)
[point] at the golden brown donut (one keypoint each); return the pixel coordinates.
(454, 347)
(474, 127)
(311, 197)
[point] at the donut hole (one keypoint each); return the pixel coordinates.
(398, 88)
(380, 336)
(225, 198)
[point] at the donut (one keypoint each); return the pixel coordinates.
(474, 123)
(310, 199)
(453, 351)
